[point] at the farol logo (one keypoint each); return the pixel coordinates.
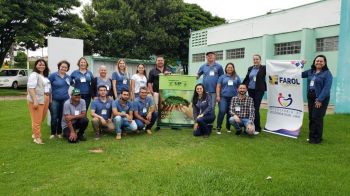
(275, 80)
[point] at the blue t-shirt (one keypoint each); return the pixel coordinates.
(123, 108)
(211, 75)
(252, 77)
(229, 85)
(60, 86)
(103, 109)
(123, 81)
(143, 106)
(82, 81)
(107, 83)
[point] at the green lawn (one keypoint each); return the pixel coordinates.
(12, 92)
(171, 162)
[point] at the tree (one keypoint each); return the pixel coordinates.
(21, 60)
(139, 29)
(28, 22)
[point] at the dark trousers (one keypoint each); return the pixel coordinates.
(80, 124)
(257, 97)
(204, 127)
(56, 109)
(141, 125)
(316, 118)
(87, 99)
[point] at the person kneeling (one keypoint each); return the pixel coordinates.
(101, 113)
(242, 111)
(144, 111)
(123, 112)
(74, 118)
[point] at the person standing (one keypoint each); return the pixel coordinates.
(101, 113)
(39, 95)
(138, 80)
(120, 78)
(211, 72)
(74, 118)
(255, 80)
(242, 111)
(203, 112)
(319, 83)
(226, 88)
(60, 82)
(102, 80)
(82, 80)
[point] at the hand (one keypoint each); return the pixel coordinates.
(200, 116)
(186, 110)
(236, 118)
(69, 118)
(129, 118)
(103, 121)
(73, 136)
(149, 116)
(35, 105)
(318, 104)
(250, 129)
(147, 122)
(303, 61)
(218, 99)
(195, 126)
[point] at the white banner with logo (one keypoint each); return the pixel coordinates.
(284, 97)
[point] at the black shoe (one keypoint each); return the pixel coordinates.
(82, 138)
(238, 132)
(157, 128)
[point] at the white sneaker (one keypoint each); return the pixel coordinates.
(218, 132)
(256, 133)
(228, 131)
(59, 136)
(52, 137)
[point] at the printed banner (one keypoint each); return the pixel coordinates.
(284, 97)
(176, 92)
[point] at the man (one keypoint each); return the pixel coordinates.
(74, 118)
(242, 111)
(101, 113)
(211, 72)
(153, 78)
(123, 111)
(144, 111)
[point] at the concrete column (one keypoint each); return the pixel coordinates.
(308, 45)
(267, 47)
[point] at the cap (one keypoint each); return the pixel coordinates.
(75, 91)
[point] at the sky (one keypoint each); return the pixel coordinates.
(231, 10)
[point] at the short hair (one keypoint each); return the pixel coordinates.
(63, 62)
(83, 58)
(101, 86)
(210, 52)
(242, 84)
(143, 88)
(46, 71)
(258, 55)
(125, 91)
(159, 56)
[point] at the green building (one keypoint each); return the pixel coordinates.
(298, 33)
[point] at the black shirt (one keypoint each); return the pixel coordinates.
(153, 77)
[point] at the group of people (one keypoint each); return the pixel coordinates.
(126, 103)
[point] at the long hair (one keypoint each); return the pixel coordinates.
(83, 58)
(195, 94)
(325, 67)
(126, 67)
(46, 71)
(234, 69)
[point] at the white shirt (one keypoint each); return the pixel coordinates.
(140, 81)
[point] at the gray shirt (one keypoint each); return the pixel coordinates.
(70, 109)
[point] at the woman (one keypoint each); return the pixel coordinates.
(226, 88)
(60, 82)
(38, 97)
(82, 80)
(255, 80)
(319, 83)
(138, 80)
(104, 80)
(203, 112)
(120, 78)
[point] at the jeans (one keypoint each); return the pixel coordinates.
(257, 97)
(224, 105)
(87, 99)
(141, 125)
(123, 123)
(80, 124)
(213, 99)
(316, 118)
(56, 110)
(204, 127)
(244, 123)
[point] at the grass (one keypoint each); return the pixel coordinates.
(172, 162)
(12, 92)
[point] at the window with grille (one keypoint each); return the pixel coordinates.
(236, 53)
(198, 57)
(288, 48)
(199, 38)
(327, 44)
(219, 55)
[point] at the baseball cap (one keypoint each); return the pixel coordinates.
(75, 91)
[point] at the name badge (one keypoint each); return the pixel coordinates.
(312, 83)
(104, 112)
(237, 108)
(68, 81)
(125, 81)
(144, 110)
(107, 87)
(47, 89)
(254, 79)
(82, 79)
(211, 73)
(230, 83)
(76, 112)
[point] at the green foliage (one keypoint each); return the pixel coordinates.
(28, 22)
(139, 29)
(21, 60)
